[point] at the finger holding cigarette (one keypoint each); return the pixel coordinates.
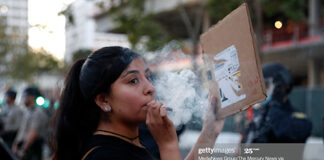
(160, 126)
(157, 111)
(164, 109)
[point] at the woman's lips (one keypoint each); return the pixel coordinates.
(145, 107)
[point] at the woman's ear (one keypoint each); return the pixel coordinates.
(102, 101)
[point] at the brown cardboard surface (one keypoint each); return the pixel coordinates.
(231, 57)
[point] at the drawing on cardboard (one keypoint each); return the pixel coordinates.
(227, 74)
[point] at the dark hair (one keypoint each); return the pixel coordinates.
(78, 115)
(32, 91)
(11, 93)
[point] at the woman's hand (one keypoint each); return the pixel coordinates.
(160, 126)
(213, 125)
(163, 130)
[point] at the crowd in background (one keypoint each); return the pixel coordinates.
(25, 128)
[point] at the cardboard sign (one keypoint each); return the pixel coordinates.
(232, 60)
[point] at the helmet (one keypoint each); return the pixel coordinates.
(281, 78)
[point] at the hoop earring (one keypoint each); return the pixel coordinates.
(107, 108)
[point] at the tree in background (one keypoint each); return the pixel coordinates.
(5, 46)
(17, 61)
(80, 54)
(218, 9)
(288, 9)
(131, 18)
(33, 63)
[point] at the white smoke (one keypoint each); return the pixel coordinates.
(180, 90)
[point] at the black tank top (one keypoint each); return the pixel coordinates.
(113, 148)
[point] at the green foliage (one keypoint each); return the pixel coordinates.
(25, 66)
(16, 62)
(130, 17)
(5, 44)
(81, 54)
(67, 12)
(133, 19)
(289, 9)
(218, 9)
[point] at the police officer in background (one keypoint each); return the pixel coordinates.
(275, 119)
(11, 117)
(29, 140)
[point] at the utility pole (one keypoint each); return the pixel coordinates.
(313, 18)
(313, 64)
(259, 26)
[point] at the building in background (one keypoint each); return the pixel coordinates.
(14, 26)
(299, 46)
(83, 31)
(89, 27)
(15, 15)
(14, 33)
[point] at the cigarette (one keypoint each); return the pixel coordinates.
(167, 108)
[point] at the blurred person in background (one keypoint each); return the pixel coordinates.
(11, 118)
(242, 121)
(29, 140)
(275, 120)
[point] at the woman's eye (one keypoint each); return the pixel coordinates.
(133, 81)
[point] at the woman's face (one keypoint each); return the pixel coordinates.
(130, 93)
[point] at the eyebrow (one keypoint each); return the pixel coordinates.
(135, 72)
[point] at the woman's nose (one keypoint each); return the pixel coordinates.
(149, 88)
